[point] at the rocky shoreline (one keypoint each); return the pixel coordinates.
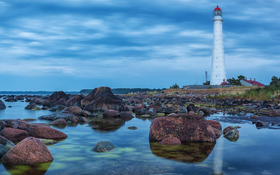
(177, 117)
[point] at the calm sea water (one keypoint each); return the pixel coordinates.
(256, 152)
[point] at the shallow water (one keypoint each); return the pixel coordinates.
(256, 151)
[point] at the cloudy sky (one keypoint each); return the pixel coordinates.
(76, 44)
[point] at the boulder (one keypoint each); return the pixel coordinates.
(72, 101)
(2, 105)
(156, 106)
(191, 107)
(60, 121)
(14, 135)
(38, 101)
(102, 99)
(60, 102)
(56, 96)
(175, 107)
(84, 120)
(14, 123)
(103, 146)
(170, 141)
(132, 127)
(7, 143)
(29, 151)
(66, 116)
(57, 108)
(231, 133)
(186, 127)
(215, 124)
(273, 113)
(262, 124)
(75, 110)
(126, 115)
(45, 132)
(3, 150)
(206, 111)
(32, 106)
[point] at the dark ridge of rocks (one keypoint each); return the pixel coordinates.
(15, 130)
(71, 118)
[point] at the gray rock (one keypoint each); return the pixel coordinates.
(261, 124)
(3, 150)
(103, 146)
(231, 133)
(2, 105)
(9, 144)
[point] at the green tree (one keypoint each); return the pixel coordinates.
(175, 86)
(233, 81)
(274, 80)
(206, 83)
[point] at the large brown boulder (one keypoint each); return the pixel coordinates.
(2, 105)
(215, 124)
(56, 96)
(46, 132)
(29, 151)
(14, 135)
(72, 101)
(102, 99)
(186, 127)
(75, 110)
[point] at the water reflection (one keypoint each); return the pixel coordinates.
(107, 124)
(186, 152)
(34, 169)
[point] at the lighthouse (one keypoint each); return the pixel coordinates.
(218, 72)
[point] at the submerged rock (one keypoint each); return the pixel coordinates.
(231, 133)
(103, 146)
(191, 152)
(186, 127)
(29, 151)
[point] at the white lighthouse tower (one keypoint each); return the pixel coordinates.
(218, 73)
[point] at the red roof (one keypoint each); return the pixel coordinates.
(217, 8)
(255, 83)
(224, 82)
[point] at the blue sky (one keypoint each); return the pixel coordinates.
(76, 44)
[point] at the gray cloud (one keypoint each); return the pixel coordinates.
(106, 39)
